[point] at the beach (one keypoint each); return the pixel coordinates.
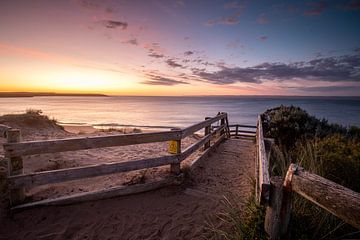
(183, 212)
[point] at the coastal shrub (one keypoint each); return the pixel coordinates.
(329, 150)
(32, 118)
(34, 111)
(289, 124)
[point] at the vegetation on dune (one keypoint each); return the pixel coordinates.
(32, 118)
(329, 150)
(238, 223)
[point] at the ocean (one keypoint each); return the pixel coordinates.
(177, 111)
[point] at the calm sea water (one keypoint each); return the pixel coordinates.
(178, 111)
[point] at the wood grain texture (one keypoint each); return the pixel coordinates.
(336, 199)
(264, 177)
(196, 127)
(104, 193)
(73, 144)
(278, 211)
(15, 167)
(63, 175)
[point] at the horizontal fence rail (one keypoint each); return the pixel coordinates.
(239, 130)
(15, 149)
(73, 144)
(334, 198)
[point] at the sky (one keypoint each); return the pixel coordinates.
(181, 47)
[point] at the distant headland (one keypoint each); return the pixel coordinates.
(47, 94)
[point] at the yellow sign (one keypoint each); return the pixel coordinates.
(173, 147)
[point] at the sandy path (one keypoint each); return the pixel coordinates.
(171, 213)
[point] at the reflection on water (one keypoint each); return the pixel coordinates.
(178, 111)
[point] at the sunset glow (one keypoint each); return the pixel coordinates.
(181, 47)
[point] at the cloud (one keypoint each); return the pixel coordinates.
(352, 5)
(262, 19)
(188, 53)
(171, 62)
(114, 24)
(263, 38)
(233, 5)
(155, 55)
(329, 88)
(132, 41)
(96, 5)
(232, 20)
(162, 81)
(317, 8)
(154, 50)
(332, 69)
(89, 4)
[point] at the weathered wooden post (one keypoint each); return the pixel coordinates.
(175, 148)
(15, 167)
(278, 212)
(237, 130)
(222, 123)
(207, 131)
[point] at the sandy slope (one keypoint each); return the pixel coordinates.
(171, 213)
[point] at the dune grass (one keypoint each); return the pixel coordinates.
(329, 150)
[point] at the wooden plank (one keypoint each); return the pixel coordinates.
(175, 167)
(196, 127)
(242, 125)
(264, 177)
(246, 126)
(104, 193)
(334, 198)
(73, 144)
(241, 131)
(3, 130)
(278, 211)
(15, 166)
(207, 131)
(257, 187)
(194, 147)
(63, 175)
(227, 126)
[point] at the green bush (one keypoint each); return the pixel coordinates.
(329, 150)
(289, 124)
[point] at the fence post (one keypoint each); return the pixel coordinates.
(278, 212)
(175, 148)
(207, 131)
(222, 123)
(15, 167)
(237, 130)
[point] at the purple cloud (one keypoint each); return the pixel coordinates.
(162, 81)
(114, 24)
(171, 62)
(331, 69)
(317, 8)
(263, 38)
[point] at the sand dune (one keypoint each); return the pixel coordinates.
(179, 212)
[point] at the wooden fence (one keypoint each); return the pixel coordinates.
(15, 149)
(276, 193)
